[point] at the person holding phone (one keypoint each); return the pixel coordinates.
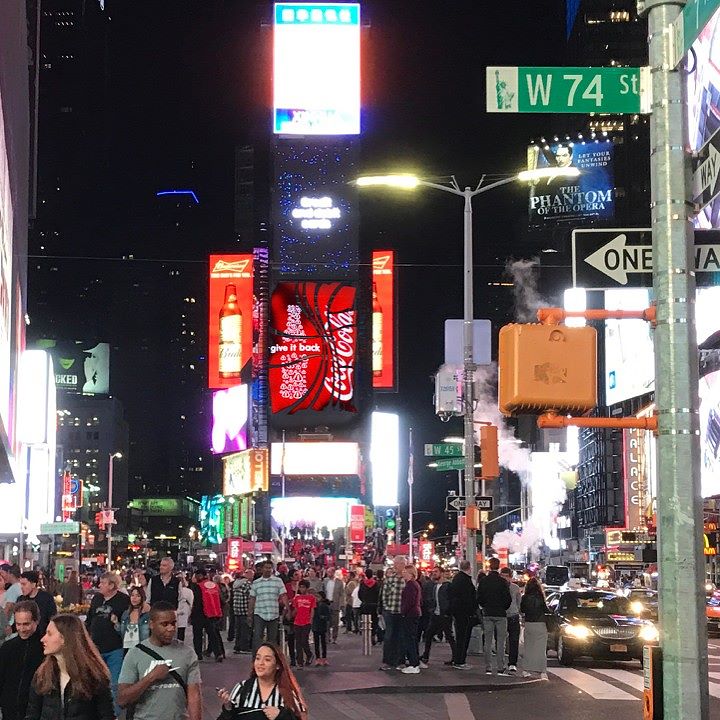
(270, 693)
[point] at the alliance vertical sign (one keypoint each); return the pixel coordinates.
(383, 320)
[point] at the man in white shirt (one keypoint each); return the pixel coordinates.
(334, 592)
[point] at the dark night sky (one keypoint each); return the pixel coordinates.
(191, 79)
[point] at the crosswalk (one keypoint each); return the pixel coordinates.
(621, 684)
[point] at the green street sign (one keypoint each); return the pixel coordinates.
(451, 464)
(444, 450)
(566, 90)
(689, 24)
(59, 528)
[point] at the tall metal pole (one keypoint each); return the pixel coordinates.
(468, 372)
(411, 482)
(683, 632)
(109, 507)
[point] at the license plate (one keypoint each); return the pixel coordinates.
(618, 648)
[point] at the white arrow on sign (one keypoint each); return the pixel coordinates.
(616, 260)
(706, 175)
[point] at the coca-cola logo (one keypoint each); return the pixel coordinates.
(339, 380)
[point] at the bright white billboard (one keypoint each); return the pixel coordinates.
(311, 513)
(385, 458)
(314, 458)
(316, 69)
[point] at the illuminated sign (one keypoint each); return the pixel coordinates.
(314, 458)
(315, 210)
(357, 523)
(80, 367)
(313, 336)
(385, 458)
(592, 194)
(383, 319)
(316, 69)
(311, 513)
(233, 559)
(246, 472)
(230, 325)
(635, 474)
(230, 419)
(426, 553)
(621, 556)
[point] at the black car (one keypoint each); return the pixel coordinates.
(644, 603)
(597, 624)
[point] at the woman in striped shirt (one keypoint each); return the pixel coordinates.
(271, 690)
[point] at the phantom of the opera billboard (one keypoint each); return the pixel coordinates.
(590, 195)
(313, 346)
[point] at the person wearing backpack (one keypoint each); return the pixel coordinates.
(160, 677)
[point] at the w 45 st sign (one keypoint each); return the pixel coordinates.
(567, 90)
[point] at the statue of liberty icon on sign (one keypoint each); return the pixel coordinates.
(503, 95)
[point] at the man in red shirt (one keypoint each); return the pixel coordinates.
(212, 610)
(303, 605)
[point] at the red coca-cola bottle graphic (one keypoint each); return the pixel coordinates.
(230, 336)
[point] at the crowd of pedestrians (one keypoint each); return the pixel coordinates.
(130, 653)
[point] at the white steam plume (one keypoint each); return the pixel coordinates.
(527, 297)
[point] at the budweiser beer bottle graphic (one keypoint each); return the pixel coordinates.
(230, 336)
(377, 334)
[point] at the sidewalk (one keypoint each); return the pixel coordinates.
(351, 672)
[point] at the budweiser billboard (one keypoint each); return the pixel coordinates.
(230, 329)
(313, 341)
(383, 320)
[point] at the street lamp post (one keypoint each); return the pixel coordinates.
(410, 182)
(111, 457)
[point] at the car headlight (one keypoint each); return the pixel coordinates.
(579, 632)
(649, 633)
(637, 607)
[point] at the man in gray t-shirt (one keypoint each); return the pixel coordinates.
(151, 683)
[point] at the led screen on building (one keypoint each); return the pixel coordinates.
(315, 458)
(385, 458)
(230, 419)
(591, 195)
(710, 434)
(703, 103)
(80, 367)
(311, 513)
(316, 69)
(383, 320)
(315, 210)
(230, 325)
(313, 342)
(246, 472)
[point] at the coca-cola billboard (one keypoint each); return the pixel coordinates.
(313, 341)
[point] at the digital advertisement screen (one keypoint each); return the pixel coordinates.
(385, 458)
(703, 103)
(246, 472)
(80, 367)
(230, 324)
(230, 419)
(629, 349)
(592, 194)
(311, 513)
(315, 458)
(383, 320)
(315, 210)
(710, 434)
(316, 69)
(313, 342)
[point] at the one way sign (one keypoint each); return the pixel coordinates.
(706, 174)
(610, 258)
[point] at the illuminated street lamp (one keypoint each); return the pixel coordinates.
(411, 182)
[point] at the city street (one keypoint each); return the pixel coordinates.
(351, 687)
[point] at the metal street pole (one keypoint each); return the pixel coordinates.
(410, 480)
(683, 632)
(109, 507)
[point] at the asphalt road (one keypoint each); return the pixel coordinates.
(352, 688)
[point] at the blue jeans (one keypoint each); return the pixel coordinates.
(114, 661)
(392, 642)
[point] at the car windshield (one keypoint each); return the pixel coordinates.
(594, 604)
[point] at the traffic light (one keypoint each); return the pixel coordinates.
(472, 518)
(547, 367)
(390, 519)
(489, 452)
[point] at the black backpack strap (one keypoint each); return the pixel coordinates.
(156, 656)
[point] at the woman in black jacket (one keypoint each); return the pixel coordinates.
(73, 682)
(534, 609)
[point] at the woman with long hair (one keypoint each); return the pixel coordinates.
(533, 607)
(134, 625)
(73, 681)
(271, 689)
